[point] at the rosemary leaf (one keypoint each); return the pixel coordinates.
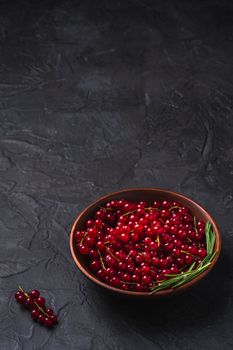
(191, 267)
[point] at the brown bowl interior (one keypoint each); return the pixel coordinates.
(149, 195)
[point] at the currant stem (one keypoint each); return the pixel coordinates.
(195, 224)
(106, 208)
(22, 290)
(129, 212)
(151, 208)
(194, 256)
(175, 207)
(134, 283)
(84, 236)
(101, 259)
(109, 251)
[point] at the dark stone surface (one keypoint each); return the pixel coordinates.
(101, 95)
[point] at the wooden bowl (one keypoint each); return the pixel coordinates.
(149, 195)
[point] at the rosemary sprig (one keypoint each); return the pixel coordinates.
(191, 267)
(178, 280)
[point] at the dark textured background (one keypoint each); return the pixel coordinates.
(101, 95)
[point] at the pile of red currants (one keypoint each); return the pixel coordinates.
(36, 304)
(133, 246)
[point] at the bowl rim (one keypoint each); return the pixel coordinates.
(169, 291)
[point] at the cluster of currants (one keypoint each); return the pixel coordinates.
(132, 246)
(36, 304)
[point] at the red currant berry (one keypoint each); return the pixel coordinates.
(18, 294)
(92, 232)
(100, 245)
(202, 253)
(48, 322)
(138, 229)
(21, 299)
(189, 259)
(90, 241)
(49, 312)
(83, 249)
(174, 270)
(41, 318)
(95, 265)
(30, 303)
(35, 313)
(124, 237)
(34, 294)
(90, 223)
(40, 301)
(146, 279)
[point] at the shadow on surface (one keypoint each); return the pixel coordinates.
(199, 305)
